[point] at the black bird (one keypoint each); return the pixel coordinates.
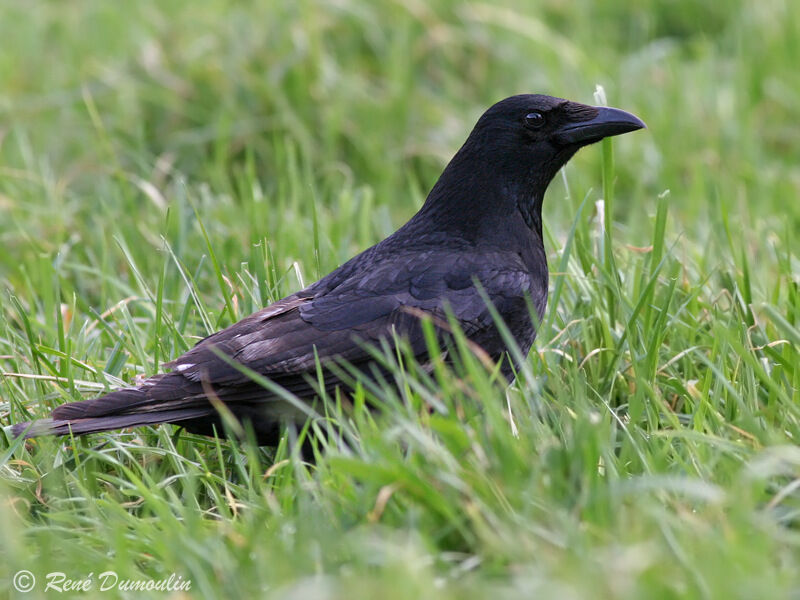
(482, 221)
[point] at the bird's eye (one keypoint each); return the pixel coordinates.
(534, 120)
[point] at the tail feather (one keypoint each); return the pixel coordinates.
(129, 401)
(128, 407)
(125, 401)
(97, 424)
(170, 398)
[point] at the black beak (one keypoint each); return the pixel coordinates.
(608, 122)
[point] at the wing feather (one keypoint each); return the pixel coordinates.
(335, 320)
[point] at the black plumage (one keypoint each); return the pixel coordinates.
(482, 221)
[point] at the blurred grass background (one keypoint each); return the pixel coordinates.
(656, 454)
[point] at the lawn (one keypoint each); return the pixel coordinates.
(169, 167)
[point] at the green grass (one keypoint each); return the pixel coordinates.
(167, 168)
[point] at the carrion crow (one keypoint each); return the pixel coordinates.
(481, 223)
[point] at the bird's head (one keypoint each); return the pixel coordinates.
(532, 129)
(512, 154)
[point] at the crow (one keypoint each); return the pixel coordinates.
(477, 237)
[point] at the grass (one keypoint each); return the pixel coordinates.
(168, 168)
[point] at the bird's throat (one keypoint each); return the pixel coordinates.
(531, 210)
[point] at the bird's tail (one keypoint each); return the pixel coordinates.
(129, 407)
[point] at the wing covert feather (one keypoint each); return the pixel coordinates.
(363, 308)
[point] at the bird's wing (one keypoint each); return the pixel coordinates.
(335, 320)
